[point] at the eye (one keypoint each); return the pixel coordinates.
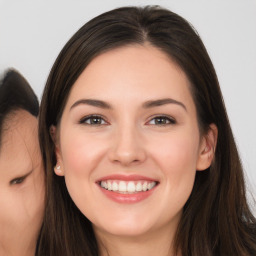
(162, 120)
(20, 180)
(93, 120)
(17, 181)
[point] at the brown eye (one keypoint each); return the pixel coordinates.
(93, 120)
(17, 181)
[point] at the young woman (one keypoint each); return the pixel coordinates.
(21, 169)
(138, 151)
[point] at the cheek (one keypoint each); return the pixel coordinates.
(23, 206)
(12, 211)
(21, 215)
(35, 203)
(177, 157)
(17, 211)
(80, 154)
(80, 157)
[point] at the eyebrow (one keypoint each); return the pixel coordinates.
(160, 102)
(92, 102)
(147, 104)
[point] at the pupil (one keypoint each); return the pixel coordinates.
(96, 120)
(160, 121)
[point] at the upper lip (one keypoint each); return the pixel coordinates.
(132, 177)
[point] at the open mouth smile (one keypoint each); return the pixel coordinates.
(127, 189)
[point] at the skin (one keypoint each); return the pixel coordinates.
(129, 140)
(21, 185)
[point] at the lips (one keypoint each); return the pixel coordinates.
(127, 189)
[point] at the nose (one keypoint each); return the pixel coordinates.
(127, 147)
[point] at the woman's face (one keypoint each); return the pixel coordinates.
(129, 143)
(21, 185)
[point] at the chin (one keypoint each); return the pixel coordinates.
(123, 228)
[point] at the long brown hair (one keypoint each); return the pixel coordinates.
(216, 219)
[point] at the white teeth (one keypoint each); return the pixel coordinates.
(114, 186)
(122, 186)
(145, 186)
(150, 185)
(109, 185)
(104, 184)
(127, 187)
(138, 187)
(131, 186)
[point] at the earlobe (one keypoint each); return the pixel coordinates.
(207, 148)
(57, 169)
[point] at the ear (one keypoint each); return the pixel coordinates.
(207, 148)
(58, 168)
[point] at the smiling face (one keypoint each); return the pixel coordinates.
(128, 142)
(21, 185)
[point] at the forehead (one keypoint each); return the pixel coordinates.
(143, 69)
(19, 140)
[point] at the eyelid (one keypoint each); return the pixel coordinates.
(19, 180)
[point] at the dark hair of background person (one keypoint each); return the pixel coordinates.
(15, 94)
(216, 219)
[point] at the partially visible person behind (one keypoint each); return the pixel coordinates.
(21, 169)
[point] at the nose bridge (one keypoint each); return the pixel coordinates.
(127, 145)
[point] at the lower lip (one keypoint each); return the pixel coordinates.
(127, 198)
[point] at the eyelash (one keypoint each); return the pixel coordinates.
(167, 119)
(91, 118)
(17, 181)
(99, 119)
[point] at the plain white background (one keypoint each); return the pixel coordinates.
(33, 32)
